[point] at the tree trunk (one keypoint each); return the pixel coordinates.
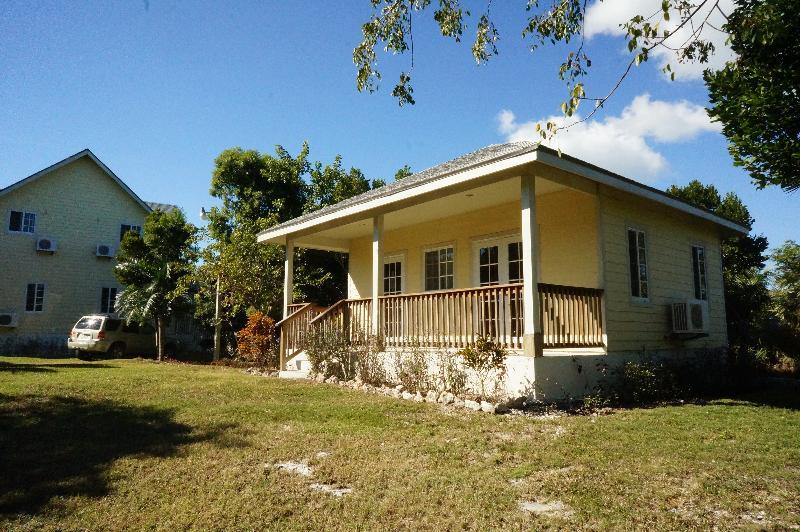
(160, 338)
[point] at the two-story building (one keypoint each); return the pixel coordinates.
(60, 230)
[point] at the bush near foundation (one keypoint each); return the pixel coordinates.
(257, 342)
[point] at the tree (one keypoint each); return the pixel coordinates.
(756, 96)
(257, 191)
(786, 284)
(746, 294)
(154, 270)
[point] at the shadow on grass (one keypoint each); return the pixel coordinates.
(63, 446)
(13, 367)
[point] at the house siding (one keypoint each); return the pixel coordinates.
(641, 326)
(79, 206)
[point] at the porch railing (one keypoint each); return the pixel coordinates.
(569, 317)
(294, 329)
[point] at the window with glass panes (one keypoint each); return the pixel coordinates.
(637, 257)
(392, 277)
(22, 222)
(126, 228)
(699, 272)
(439, 268)
(108, 299)
(489, 265)
(34, 298)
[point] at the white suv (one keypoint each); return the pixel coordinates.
(108, 334)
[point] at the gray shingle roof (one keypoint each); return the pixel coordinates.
(163, 207)
(475, 158)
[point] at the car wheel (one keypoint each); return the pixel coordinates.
(117, 350)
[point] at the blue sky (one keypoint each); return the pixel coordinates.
(158, 89)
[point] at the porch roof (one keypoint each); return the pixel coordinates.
(495, 159)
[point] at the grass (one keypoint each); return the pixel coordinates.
(134, 444)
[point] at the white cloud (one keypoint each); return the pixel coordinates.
(605, 17)
(621, 143)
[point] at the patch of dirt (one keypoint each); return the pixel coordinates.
(294, 467)
(333, 490)
(550, 509)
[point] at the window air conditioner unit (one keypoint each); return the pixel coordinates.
(8, 319)
(690, 317)
(46, 245)
(104, 250)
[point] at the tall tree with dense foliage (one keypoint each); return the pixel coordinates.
(786, 285)
(755, 97)
(257, 191)
(154, 270)
(743, 257)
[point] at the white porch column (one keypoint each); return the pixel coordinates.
(288, 277)
(532, 334)
(377, 273)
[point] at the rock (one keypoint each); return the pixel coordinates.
(418, 397)
(407, 395)
(446, 398)
(397, 394)
(472, 405)
(502, 409)
(399, 388)
(431, 396)
(333, 379)
(333, 490)
(295, 467)
(487, 407)
(458, 402)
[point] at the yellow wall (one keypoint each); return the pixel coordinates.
(79, 206)
(637, 326)
(567, 230)
(569, 248)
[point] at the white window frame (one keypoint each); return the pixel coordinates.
(25, 214)
(704, 279)
(130, 228)
(396, 257)
(439, 247)
(648, 277)
(502, 242)
(36, 289)
(110, 303)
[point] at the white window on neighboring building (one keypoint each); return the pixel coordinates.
(637, 257)
(699, 272)
(22, 222)
(439, 267)
(126, 228)
(108, 299)
(34, 298)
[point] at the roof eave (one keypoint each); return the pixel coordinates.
(540, 154)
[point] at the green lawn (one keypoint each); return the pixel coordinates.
(135, 444)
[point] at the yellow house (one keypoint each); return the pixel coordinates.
(60, 229)
(567, 265)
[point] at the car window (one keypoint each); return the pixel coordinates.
(89, 322)
(130, 327)
(112, 325)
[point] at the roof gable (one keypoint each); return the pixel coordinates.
(72, 158)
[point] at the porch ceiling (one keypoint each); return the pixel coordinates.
(337, 238)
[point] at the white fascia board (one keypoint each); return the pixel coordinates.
(635, 188)
(381, 203)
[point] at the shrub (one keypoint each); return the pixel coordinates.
(257, 341)
(452, 377)
(652, 379)
(411, 369)
(329, 353)
(487, 359)
(371, 369)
